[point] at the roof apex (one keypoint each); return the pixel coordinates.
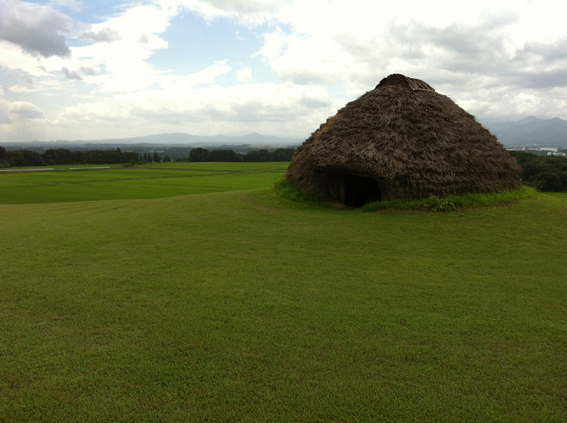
(399, 79)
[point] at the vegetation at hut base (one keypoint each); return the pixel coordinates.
(454, 202)
(286, 189)
(244, 306)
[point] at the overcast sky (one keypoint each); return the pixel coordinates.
(94, 69)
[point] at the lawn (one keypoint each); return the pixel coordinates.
(557, 194)
(242, 306)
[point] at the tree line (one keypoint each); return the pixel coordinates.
(203, 155)
(63, 156)
(545, 173)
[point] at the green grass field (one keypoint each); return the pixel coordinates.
(240, 306)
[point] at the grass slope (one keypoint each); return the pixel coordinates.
(243, 306)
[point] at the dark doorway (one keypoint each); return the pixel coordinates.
(359, 190)
(352, 190)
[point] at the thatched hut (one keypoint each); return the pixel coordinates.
(401, 141)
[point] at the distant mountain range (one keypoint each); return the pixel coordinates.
(253, 139)
(531, 132)
(177, 139)
(528, 132)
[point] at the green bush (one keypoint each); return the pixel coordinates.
(439, 204)
(287, 190)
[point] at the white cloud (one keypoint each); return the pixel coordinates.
(88, 71)
(493, 58)
(36, 29)
(206, 76)
(249, 12)
(105, 35)
(122, 44)
(25, 110)
(245, 75)
(70, 75)
(273, 109)
(4, 118)
(452, 45)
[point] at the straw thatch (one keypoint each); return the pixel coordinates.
(401, 141)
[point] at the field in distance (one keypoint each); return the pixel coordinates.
(241, 306)
(148, 181)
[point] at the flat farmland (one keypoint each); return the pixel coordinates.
(150, 181)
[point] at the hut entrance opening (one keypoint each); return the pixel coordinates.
(352, 190)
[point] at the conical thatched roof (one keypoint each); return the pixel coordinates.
(403, 141)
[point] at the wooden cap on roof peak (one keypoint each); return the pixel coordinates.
(398, 79)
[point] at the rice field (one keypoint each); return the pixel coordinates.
(149, 181)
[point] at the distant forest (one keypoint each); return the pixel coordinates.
(263, 155)
(545, 173)
(63, 156)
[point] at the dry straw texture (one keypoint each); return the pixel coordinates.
(413, 141)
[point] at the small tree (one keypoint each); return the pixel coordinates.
(3, 161)
(200, 155)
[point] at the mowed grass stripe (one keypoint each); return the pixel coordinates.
(214, 166)
(60, 177)
(241, 306)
